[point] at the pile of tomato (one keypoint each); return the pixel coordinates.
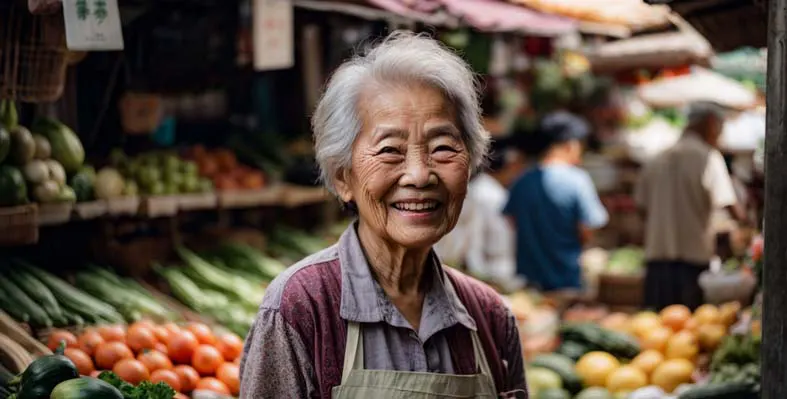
(189, 357)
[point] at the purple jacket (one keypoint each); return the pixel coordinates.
(296, 346)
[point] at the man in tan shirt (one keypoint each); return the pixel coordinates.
(678, 192)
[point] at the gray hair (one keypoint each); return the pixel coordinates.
(402, 56)
(699, 112)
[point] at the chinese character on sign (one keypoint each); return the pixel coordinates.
(273, 34)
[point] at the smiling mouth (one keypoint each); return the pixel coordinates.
(420, 207)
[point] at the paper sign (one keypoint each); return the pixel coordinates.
(92, 25)
(273, 34)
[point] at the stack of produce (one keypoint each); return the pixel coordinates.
(735, 370)
(228, 288)
(222, 167)
(186, 358)
(154, 173)
(626, 261)
(35, 165)
(42, 300)
(57, 376)
(673, 341)
(291, 245)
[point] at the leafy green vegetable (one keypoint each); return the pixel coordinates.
(145, 390)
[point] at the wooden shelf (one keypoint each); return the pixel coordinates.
(280, 195)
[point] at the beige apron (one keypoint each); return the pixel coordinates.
(382, 384)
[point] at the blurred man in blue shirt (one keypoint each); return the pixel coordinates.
(554, 207)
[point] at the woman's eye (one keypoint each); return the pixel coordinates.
(444, 148)
(388, 150)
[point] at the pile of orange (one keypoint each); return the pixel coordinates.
(672, 339)
(186, 357)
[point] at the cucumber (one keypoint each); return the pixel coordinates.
(85, 388)
(727, 390)
(38, 317)
(38, 292)
(563, 366)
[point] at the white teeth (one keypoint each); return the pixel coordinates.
(416, 206)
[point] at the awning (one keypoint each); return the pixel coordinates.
(700, 85)
(633, 14)
(649, 51)
(489, 15)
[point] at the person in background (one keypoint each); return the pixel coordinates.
(677, 193)
(554, 207)
(483, 240)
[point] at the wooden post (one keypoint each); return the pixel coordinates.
(774, 351)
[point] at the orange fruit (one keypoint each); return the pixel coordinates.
(112, 333)
(656, 338)
(626, 379)
(595, 367)
(643, 322)
(213, 385)
(206, 359)
(155, 360)
(140, 337)
(166, 376)
(710, 336)
(648, 360)
(670, 374)
(616, 322)
(58, 336)
(203, 333)
(81, 360)
(181, 347)
(229, 374)
(131, 371)
(675, 316)
(89, 341)
(188, 377)
(230, 346)
(707, 314)
(109, 353)
(682, 345)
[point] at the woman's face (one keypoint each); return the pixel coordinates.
(410, 166)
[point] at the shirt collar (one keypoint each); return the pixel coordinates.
(364, 301)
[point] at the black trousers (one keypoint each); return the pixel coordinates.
(673, 282)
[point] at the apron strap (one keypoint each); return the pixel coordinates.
(353, 351)
(480, 356)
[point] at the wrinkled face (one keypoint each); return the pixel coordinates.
(410, 166)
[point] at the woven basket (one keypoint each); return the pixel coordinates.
(19, 225)
(33, 55)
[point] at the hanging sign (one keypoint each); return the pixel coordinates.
(273, 34)
(92, 25)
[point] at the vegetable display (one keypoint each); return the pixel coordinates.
(44, 300)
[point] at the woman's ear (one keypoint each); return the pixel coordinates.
(343, 186)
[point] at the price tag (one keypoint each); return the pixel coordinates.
(92, 25)
(273, 34)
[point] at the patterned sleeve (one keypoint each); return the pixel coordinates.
(275, 362)
(513, 355)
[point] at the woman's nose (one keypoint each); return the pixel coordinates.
(418, 172)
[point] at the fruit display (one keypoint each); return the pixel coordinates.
(152, 173)
(628, 260)
(35, 163)
(43, 300)
(184, 357)
(58, 376)
(223, 169)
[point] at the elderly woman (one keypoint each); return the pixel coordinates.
(398, 135)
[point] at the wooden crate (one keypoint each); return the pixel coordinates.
(621, 290)
(19, 225)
